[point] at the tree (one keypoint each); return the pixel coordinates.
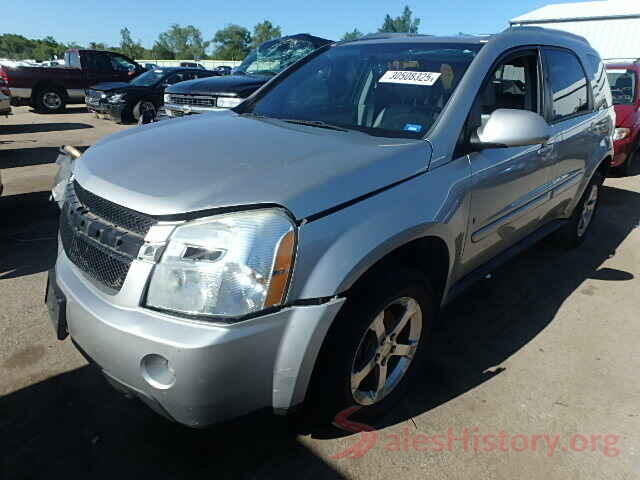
(354, 35)
(232, 43)
(405, 23)
(97, 46)
(181, 43)
(129, 47)
(263, 32)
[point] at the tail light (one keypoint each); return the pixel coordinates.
(4, 82)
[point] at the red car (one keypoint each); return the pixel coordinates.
(624, 79)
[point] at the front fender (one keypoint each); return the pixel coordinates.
(336, 250)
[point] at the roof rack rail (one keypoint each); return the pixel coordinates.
(621, 59)
(383, 35)
(516, 28)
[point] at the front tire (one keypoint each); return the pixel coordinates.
(573, 233)
(375, 347)
(142, 107)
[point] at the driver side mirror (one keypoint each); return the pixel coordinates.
(511, 128)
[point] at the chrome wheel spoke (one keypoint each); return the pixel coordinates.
(378, 327)
(382, 381)
(411, 310)
(360, 375)
(403, 350)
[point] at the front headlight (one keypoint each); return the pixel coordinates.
(621, 134)
(229, 102)
(117, 98)
(167, 98)
(229, 265)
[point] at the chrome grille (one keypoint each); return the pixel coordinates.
(94, 241)
(193, 100)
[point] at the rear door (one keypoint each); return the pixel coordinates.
(510, 185)
(572, 118)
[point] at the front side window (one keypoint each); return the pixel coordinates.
(513, 85)
(623, 86)
(568, 84)
(387, 89)
(121, 64)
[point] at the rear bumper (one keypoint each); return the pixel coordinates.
(193, 372)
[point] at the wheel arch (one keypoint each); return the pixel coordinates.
(42, 84)
(428, 254)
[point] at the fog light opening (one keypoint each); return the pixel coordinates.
(157, 371)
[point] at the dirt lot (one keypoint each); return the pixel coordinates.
(547, 347)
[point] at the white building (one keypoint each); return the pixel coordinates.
(611, 26)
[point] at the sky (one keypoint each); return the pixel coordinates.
(84, 21)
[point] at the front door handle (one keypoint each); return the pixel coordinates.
(545, 149)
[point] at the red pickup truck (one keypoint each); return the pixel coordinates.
(50, 89)
(624, 80)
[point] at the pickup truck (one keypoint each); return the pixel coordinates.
(49, 90)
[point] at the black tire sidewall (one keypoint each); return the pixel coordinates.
(136, 113)
(330, 391)
(39, 103)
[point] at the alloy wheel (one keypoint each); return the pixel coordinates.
(588, 210)
(386, 351)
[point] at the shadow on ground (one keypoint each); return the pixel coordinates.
(25, 157)
(28, 234)
(41, 128)
(74, 425)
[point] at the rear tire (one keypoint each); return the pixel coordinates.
(573, 233)
(50, 100)
(366, 337)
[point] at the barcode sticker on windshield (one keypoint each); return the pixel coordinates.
(410, 78)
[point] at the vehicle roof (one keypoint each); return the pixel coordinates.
(516, 34)
(631, 65)
(175, 69)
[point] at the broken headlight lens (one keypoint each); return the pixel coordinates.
(229, 265)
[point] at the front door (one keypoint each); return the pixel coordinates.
(510, 185)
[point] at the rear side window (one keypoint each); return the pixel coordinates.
(623, 86)
(600, 84)
(568, 84)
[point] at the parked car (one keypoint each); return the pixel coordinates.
(50, 89)
(299, 247)
(192, 65)
(149, 66)
(5, 98)
(257, 69)
(127, 101)
(624, 78)
(223, 70)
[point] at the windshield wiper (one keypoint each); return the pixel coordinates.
(314, 123)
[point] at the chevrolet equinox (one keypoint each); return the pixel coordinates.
(296, 249)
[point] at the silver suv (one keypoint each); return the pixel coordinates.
(297, 249)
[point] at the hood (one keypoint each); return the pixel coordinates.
(222, 159)
(122, 87)
(107, 86)
(624, 115)
(241, 85)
